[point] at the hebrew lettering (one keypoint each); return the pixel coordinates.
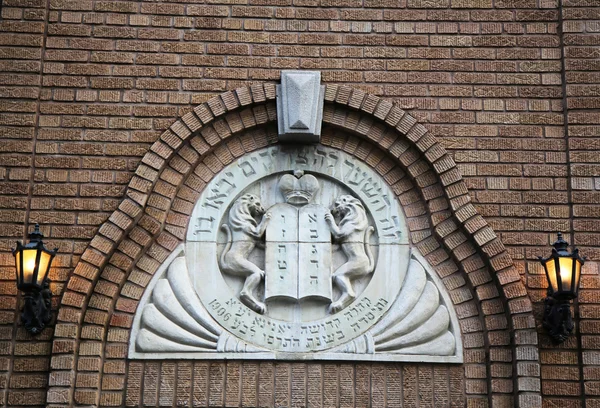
(297, 252)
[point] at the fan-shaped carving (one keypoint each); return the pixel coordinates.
(174, 319)
(418, 322)
(419, 326)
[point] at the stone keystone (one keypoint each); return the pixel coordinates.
(300, 100)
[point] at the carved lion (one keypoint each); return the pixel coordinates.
(243, 234)
(353, 234)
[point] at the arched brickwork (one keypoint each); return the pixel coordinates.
(97, 307)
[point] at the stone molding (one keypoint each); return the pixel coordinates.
(102, 294)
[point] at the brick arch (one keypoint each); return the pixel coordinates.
(101, 296)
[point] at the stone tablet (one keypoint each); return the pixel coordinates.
(298, 243)
(297, 252)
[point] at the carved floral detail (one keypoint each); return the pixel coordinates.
(418, 322)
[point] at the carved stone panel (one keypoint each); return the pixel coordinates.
(297, 253)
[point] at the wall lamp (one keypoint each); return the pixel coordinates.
(563, 271)
(33, 263)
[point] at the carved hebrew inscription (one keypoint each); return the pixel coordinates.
(298, 247)
(291, 337)
(362, 181)
(297, 252)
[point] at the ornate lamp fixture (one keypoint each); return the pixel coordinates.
(563, 271)
(33, 262)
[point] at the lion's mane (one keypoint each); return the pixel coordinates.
(355, 213)
(240, 214)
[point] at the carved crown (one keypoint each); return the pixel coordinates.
(298, 189)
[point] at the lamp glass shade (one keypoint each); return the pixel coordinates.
(32, 263)
(44, 267)
(565, 266)
(563, 270)
(563, 275)
(27, 267)
(577, 268)
(18, 267)
(550, 267)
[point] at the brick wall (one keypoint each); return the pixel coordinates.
(24, 362)
(581, 82)
(86, 86)
(252, 384)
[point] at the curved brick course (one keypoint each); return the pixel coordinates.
(101, 296)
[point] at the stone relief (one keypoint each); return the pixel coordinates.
(297, 252)
(174, 320)
(243, 234)
(298, 246)
(353, 233)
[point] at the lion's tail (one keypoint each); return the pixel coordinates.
(368, 234)
(227, 230)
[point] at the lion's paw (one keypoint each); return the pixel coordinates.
(252, 303)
